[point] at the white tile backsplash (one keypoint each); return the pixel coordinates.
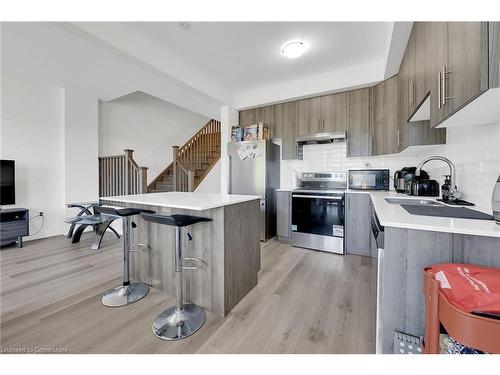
(475, 151)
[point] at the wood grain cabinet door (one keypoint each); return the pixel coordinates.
(286, 120)
(358, 123)
(411, 57)
(310, 121)
(467, 63)
(384, 114)
(334, 112)
(266, 114)
(438, 58)
(422, 65)
(284, 215)
(494, 54)
(249, 117)
(358, 224)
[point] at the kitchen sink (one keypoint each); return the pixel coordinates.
(414, 202)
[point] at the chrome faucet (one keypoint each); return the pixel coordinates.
(454, 193)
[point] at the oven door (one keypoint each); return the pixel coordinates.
(318, 221)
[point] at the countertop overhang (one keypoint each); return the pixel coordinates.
(182, 200)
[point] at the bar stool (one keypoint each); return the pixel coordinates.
(128, 292)
(181, 320)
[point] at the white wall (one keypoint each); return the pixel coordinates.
(212, 181)
(32, 133)
(81, 146)
(149, 126)
(474, 150)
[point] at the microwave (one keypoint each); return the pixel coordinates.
(369, 179)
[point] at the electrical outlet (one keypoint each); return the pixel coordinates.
(40, 213)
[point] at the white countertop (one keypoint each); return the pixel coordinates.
(393, 215)
(183, 200)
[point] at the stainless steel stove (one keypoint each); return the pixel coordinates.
(318, 211)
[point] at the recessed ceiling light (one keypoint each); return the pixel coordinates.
(293, 50)
(184, 25)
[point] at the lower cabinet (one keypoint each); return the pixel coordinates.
(284, 215)
(358, 224)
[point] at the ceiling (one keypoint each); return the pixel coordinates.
(246, 55)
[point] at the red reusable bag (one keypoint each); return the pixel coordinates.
(470, 288)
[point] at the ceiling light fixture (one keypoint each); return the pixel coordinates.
(184, 25)
(293, 50)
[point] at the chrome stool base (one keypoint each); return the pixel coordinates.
(175, 324)
(125, 294)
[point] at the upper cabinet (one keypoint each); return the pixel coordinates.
(323, 114)
(334, 112)
(458, 55)
(358, 123)
(286, 127)
(384, 113)
(411, 71)
(494, 53)
(310, 120)
(249, 117)
(266, 114)
(437, 55)
(467, 67)
(422, 65)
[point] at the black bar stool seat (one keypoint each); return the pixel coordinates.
(174, 220)
(128, 292)
(129, 211)
(183, 319)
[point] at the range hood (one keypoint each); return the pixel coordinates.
(318, 139)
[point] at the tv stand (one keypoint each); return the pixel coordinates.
(14, 225)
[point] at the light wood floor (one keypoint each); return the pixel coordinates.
(305, 302)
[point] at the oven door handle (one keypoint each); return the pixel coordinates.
(317, 196)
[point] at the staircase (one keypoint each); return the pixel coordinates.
(191, 162)
(120, 175)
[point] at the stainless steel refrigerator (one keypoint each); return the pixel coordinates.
(255, 170)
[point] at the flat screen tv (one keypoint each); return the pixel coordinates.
(7, 182)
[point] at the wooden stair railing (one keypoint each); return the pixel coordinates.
(120, 175)
(191, 162)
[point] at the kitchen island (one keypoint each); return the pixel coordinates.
(229, 245)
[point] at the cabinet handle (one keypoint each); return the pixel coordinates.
(443, 86)
(399, 140)
(414, 92)
(323, 124)
(444, 96)
(410, 90)
(439, 91)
